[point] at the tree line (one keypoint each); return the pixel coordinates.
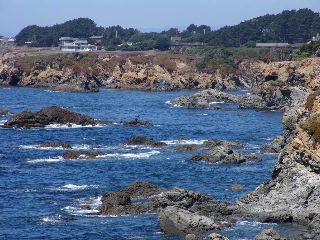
(295, 26)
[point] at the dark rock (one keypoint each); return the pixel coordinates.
(268, 234)
(141, 198)
(85, 207)
(47, 116)
(68, 219)
(137, 140)
(275, 146)
(55, 145)
(187, 148)
(163, 85)
(4, 112)
(137, 122)
(81, 155)
(226, 155)
(215, 143)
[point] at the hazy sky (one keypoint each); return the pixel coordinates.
(142, 14)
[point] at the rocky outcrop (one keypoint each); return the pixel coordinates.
(275, 146)
(180, 211)
(137, 122)
(138, 140)
(55, 145)
(292, 195)
(81, 154)
(222, 151)
(215, 236)
(47, 116)
(4, 112)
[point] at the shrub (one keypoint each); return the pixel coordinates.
(312, 126)
(311, 99)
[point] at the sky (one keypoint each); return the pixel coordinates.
(146, 15)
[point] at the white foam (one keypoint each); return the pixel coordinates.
(47, 160)
(71, 125)
(93, 202)
(51, 219)
(130, 155)
(38, 147)
(203, 114)
(2, 122)
(212, 103)
(253, 223)
(73, 187)
(184, 142)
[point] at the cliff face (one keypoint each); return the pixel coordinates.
(88, 72)
(293, 193)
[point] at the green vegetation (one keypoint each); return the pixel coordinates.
(311, 99)
(288, 26)
(310, 49)
(312, 126)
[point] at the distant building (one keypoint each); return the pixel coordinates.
(7, 41)
(97, 39)
(69, 44)
(272, 45)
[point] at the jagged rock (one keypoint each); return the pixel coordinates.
(55, 145)
(226, 155)
(193, 237)
(137, 122)
(47, 116)
(187, 211)
(4, 112)
(81, 155)
(215, 236)
(177, 221)
(275, 146)
(268, 234)
(138, 140)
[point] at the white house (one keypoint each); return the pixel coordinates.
(69, 44)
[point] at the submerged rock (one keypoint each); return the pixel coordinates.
(81, 154)
(187, 148)
(138, 140)
(47, 116)
(55, 145)
(137, 122)
(275, 146)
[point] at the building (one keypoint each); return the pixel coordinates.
(96, 39)
(69, 44)
(272, 45)
(7, 41)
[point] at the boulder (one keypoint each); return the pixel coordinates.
(177, 221)
(55, 145)
(47, 116)
(81, 154)
(138, 140)
(236, 187)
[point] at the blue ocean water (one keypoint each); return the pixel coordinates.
(38, 189)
